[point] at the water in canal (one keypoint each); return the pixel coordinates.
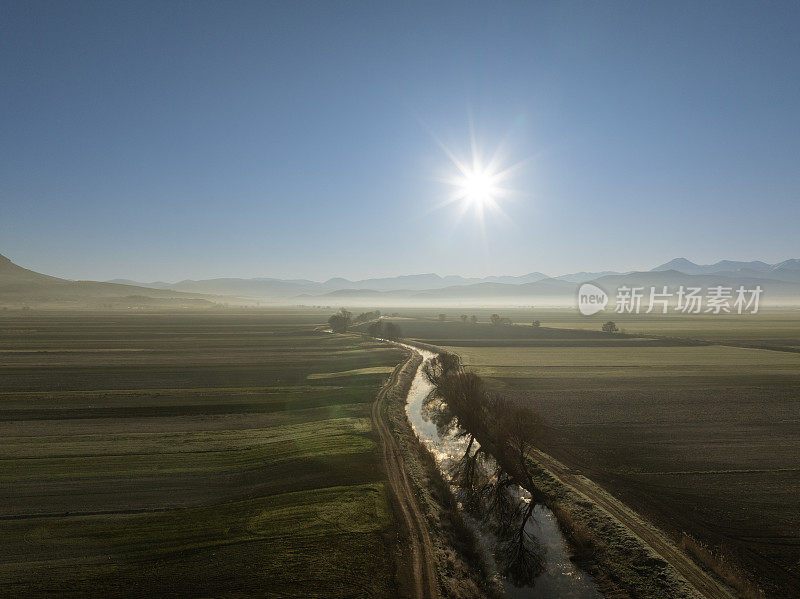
(562, 578)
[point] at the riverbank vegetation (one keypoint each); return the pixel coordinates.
(499, 439)
(499, 434)
(696, 432)
(461, 567)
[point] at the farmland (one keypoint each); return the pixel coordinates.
(770, 327)
(698, 437)
(190, 454)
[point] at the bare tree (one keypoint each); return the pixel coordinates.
(460, 405)
(440, 365)
(519, 555)
(463, 396)
(502, 507)
(516, 430)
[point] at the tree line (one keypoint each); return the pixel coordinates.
(495, 319)
(384, 329)
(343, 319)
(499, 435)
(379, 327)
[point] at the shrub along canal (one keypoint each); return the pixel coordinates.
(561, 576)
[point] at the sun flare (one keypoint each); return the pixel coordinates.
(479, 181)
(479, 188)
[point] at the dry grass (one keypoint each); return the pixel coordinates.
(584, 542)
(719, 564)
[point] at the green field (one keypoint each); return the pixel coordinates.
(190, 455)
(698, 437)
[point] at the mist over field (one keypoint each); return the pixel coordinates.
(338, 300)
(780, 284)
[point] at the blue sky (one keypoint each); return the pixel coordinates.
(190, 140)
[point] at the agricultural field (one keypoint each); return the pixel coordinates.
(191, 454)
(698, 437)
(770, 327)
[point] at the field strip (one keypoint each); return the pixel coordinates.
(356, 371)
(75, 351)
(120, 512)
(271, 389)
(653, 538)
(701, 472)
(426, 584)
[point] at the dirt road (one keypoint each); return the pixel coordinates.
(705, 585)
(421, 549)
(422, 565)
(703, 582)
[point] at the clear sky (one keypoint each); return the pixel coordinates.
(177, 140)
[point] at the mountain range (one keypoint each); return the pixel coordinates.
(20, 286)
(286, 288)
(432, 285)
(788, 270)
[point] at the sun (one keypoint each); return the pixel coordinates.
(478, 182)
(479, 188)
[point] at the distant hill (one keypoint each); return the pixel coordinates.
(675, 278)
(543, 292)
(556, 292)
(520, 280)
(253, 288)
(787, 271)
(153, 285)
(582, 277)
(20, 287)
(428, 281)
(792, 265)
(11, 275)
(344, 293)
(432, 285)
(288, 288)
(775, 292)
(690, 268)
(423, 281)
